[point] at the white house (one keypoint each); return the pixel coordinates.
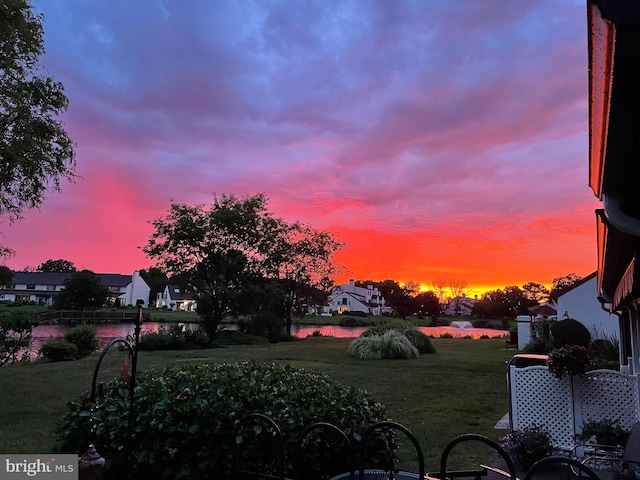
(42, 288)
(349, 297)
(579, 301)
(460, 306)
(172, 298)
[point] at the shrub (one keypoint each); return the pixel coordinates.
(172, 338)
(15, 335)
(390, 345)
(234, 337)
(59, 350)
(539, 345)
(481, 324)
(569, 332)
(83, 337)
(527, 446)
(355, 322)
(604, 432)
(355, 313)
(185, 417)
(568, 360)
(420, 340)
(604, 353)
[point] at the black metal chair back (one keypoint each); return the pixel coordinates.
(253, 468)
(333, 462)
(391, 467)
(555, 466)
(482, 469)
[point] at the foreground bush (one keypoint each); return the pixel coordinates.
(185, 417)
(84, 338)
(527, 446)
(390, 345)
(59, 350)
(172, 338)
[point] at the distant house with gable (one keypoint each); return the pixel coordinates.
(349, 298)
(42, 288)
(460, 306)
(174, 299)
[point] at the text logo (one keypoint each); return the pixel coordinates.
(50, 467)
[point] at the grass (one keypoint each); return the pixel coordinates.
(460, 389)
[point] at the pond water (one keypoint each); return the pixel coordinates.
(107, 332)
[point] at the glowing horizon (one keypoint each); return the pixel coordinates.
(439, 140)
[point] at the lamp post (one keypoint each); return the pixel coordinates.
(91, 464)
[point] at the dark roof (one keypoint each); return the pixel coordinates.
(544, 310)
(176, 294)
(59, 278)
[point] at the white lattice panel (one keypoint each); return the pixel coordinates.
(607, 394)
(538, 398)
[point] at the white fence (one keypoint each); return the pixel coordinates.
(563, 405)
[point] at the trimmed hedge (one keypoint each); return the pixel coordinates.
(569, 332)
(185, 417)
(83, 337)
(59, 350)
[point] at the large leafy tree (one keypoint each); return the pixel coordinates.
(156, 279)
(6, 276)
(59, 265)
(82, 291)
(237, 258)
(216, 248)
(535, 291)
(503, 303)
(300, 260)
(562, 283)
(428, 303)
(35, 151)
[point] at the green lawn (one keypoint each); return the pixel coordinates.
(460, 389)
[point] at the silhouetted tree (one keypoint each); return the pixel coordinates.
(35, 149)
(82, 291)
(59, 265)
(156, 279)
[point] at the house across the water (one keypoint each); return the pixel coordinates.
(42, 288)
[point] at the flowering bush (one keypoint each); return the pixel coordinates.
(604, 432)
(527, 446)
(568, 360)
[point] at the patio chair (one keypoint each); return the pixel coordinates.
(612, 463)
(501, 460)
(266, 442)
(559, 467)
(389, 472)
(317, 440)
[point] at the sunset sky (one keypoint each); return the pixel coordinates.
(438, 139)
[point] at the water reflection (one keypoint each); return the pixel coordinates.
(107, 332)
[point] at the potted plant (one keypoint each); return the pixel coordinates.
(527, 446)
(568, 360)
(604, 432)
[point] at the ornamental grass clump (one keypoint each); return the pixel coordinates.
(391, 344)
(568, 360)
(418, 339)
(185, 419)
